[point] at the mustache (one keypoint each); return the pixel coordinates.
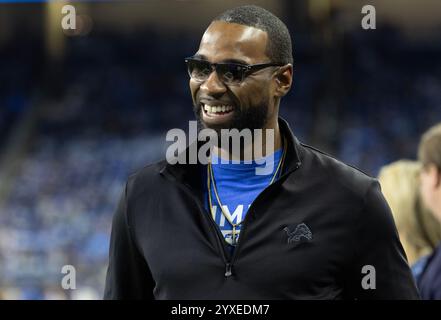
(254, 117)
(227, 100)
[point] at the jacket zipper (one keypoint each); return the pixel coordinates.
(220, 240)
(228, 271)
(214, 227)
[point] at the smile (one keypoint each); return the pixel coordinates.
(217, 110)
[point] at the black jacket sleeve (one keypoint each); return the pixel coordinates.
(128, 275)
(378, 246)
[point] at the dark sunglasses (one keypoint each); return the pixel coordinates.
(228, 73)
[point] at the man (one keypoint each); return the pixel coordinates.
(313, 228)
(429, 153)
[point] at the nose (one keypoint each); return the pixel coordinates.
(213, 86)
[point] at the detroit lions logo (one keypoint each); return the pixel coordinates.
(301, 231)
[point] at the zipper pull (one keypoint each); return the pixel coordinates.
(228, 272)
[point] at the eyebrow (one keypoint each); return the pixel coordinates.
(231, 60)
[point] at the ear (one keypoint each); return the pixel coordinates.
(283, 80)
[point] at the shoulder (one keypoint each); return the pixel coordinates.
(335, 173)
(146, 179)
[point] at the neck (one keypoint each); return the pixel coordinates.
(263, 143)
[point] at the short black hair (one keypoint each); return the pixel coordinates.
(279, 47)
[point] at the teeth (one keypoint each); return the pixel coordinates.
(216, 109)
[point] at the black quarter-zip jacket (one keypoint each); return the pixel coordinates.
(165, 244)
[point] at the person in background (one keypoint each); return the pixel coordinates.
(429, 154)
(419, 230)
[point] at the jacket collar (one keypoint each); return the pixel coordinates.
(191, 174)
(294, 150)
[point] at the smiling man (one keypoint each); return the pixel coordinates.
(314, 228)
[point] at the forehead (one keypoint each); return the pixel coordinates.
(231, 41)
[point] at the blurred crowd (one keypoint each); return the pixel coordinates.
(103, 111)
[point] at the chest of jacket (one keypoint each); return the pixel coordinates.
(291, 242)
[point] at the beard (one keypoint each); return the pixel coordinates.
(253, 117)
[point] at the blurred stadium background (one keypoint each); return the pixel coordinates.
(80, 111)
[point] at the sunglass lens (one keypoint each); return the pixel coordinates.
(199, 70)
(230, 73)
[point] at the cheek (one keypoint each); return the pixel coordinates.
(426, 189)
(251, 94)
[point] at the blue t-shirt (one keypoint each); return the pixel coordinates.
(237, 185)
